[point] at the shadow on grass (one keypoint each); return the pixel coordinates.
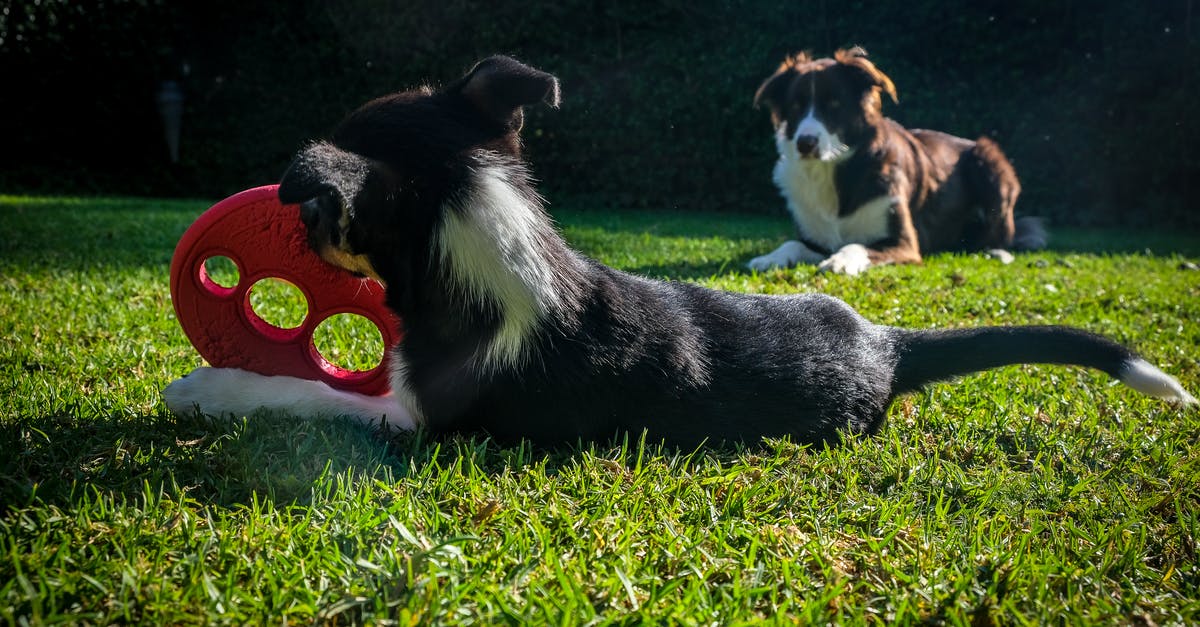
(273, 460)
(690, 272)
(221, 461)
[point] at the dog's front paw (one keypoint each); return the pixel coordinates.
(1001, 255)
(850, 260)
(189, 394)
(764, 263)
(787, 255)
(212, 391)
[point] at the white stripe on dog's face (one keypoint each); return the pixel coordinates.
(827, 146)
(810, 126)
(811, 138)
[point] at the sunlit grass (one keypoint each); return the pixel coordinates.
(1024, 495)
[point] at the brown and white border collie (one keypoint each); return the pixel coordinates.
(510, 332)
(865, 191)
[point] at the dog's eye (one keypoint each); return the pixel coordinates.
(833, 104)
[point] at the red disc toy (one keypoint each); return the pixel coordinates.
(266, 239)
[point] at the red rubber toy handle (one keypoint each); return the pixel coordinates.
(265, 239)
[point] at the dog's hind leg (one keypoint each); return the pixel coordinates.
(224, 391)
(993, 189)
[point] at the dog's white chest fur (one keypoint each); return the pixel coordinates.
(811, 193)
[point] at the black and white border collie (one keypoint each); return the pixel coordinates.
(508, 331)
(863, 190)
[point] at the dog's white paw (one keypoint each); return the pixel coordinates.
(214, 391)
(788, 254)
(1001, 255)
(225, 391)
(850, 260)
(764, 262)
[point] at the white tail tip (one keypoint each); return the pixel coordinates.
(1142, 376)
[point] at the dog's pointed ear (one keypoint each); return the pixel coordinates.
(773, 92)
(856, 58)
(499, 86)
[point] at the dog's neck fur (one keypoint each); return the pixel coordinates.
(498, 270)
(497, 249)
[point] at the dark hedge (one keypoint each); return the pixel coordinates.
(1092, 100)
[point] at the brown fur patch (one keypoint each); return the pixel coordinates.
(351, 262)
(857, 57)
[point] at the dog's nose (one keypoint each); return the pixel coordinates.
(806, 144)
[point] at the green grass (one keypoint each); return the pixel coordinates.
(1027, 495)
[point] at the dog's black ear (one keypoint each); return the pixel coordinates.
(499, 86)
(773, 92)
(319, 168)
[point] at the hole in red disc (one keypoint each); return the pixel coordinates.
(278, 303)
(349, 342)
(220, 275)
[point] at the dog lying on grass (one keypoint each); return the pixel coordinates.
(865, 191)
(510, 332)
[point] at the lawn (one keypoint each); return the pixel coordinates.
(1027, 495)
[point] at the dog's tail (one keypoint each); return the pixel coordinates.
(933, 355)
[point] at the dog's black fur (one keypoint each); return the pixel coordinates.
(509, 331)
